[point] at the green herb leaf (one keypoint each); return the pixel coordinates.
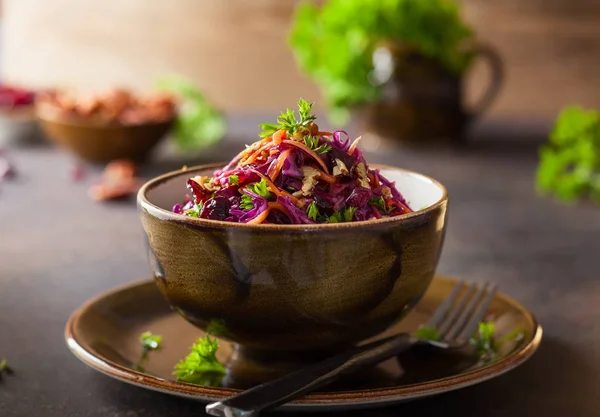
(150, 341)
(260, 188)
(336, 217)
(195, 211)
(234, 180)
(201, 366)
(485, 344)
(569, 166)
(198, 124)
(287, 120)
(427, 333)
(349, 214)
(312, 211)
(312, 142)
(378, 202)
(339, 56)
(246, 202)
(4, 368)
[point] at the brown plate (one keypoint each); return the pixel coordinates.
(104, 332)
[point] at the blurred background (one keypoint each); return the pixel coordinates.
(236, 51)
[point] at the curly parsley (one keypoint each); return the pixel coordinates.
(260, 188)
(287, 120)
(312, 211)
(569, 166)
(201, 366)
(312, 142)
(4, 368)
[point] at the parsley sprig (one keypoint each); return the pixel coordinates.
(195, 211)
(312, 211)
(287, 120)
(150, 342)
(345, 215)
(4, 368)
(201, 366)
(485, 344)
(569, 166)
(313, 143)
(260, 188)
(246, 202)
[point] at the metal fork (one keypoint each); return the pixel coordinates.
(456, 320)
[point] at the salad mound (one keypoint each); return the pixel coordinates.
(296, 174)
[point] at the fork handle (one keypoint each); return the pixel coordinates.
(288, 387)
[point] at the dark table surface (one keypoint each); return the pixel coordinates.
(59, 248)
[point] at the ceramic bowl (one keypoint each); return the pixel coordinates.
(291, 288)
(99, 142)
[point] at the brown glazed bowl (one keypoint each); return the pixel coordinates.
(278, 290)
(100, 142)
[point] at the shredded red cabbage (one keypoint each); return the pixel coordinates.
(295, 175)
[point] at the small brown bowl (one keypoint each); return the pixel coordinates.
(278, 290)
(98, 142)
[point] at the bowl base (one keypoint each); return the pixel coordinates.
(249, 367)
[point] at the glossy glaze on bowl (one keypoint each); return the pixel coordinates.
(293, 287)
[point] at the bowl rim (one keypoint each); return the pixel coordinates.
(164, 214)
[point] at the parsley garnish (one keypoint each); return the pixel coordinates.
(195, 211)
(312, 211)
(485, 344)
(427, 333)
(4, 369)
(346, 215)
(287, 120)
(313, 143)
(378, 202)
(246, 202)
(569, 164)
(339, 56)
(149, 342)
(336, 217)
(260, 188)
(349, 214)
(201, 366)
(234, 180)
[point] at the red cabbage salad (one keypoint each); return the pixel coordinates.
(295, 174)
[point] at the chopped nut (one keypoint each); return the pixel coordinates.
(361, 172)
(386, 191)
(207, 183)
(310, 179)
(340, 168)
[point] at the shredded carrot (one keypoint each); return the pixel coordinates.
(260, 218)
(257, 153)
(374, 180)
(275, 169)
(308, 151)
(277, 191)
(353, 146)
(279, 136)
(278, 206)
(240, 155)
(404, 208)
(325, 134)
